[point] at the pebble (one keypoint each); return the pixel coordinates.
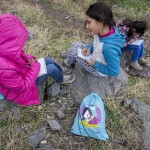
(44, 142)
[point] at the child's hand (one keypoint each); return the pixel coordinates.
(31, 60)
(133, 40)
(90, 62)
(85, 52)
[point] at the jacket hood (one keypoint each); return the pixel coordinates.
(13, 36)
(115, 39)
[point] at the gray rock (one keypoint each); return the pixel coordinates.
(53, 90)
(35, 139)
(125, 62)
(137, 102)
(31, 34)
(4, 104)
(60, 114)
(3, 117)
(55, 126)
(106, 87)
(48, 135)
(146, 136)
(63, 91)
(16, 113)
(126, 58)
(63, 107)
(127, 102)
(144, 114)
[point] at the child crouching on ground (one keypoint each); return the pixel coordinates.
(18, 70)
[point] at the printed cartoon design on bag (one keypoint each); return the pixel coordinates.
(90, 116)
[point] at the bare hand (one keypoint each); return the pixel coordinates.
(133, 40)
(85, 52)
(90, 62)
(31, 60)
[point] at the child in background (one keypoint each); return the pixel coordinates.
(133, 30)
(18, 70)
(106, 46)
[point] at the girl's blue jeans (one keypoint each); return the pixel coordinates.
(53, 70)
(138, 51)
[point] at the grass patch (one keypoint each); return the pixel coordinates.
(51, 39)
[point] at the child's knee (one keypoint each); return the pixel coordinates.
(51, 69)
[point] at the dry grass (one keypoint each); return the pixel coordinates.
(51, 38)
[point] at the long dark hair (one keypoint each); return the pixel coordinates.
(139, 26)
(101, 13)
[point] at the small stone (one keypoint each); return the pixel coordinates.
(60, 114)
(63, 107)
(48, 117)
(16, 113)
(3, 117)
(44, 142)
(31, 34)
(40, 107)
(59, 101)
(127, 102)
(67, 17)
(63, 91)
(37, 137)
(47, 136)
(55, 126)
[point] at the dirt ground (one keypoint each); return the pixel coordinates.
(123, 126)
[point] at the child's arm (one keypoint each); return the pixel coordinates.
(27, 57)
(112, 58)
(17, 82)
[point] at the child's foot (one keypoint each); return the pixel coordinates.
(144, 61)
(69, 78)
(66, 70)
(65, 64)
(136, 66)
(63, 55)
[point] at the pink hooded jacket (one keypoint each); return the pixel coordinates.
(17, 78)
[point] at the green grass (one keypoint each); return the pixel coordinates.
(51, 39)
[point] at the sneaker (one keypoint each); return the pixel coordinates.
(66, 70)
(144, 61)
(65, 64)
(63, 55)
(69, 78)
(136, 66)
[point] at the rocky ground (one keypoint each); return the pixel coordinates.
(48, 126)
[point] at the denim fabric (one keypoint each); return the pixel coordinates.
(53, 70)
(138, 51)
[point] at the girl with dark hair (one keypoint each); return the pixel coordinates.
(133, 30)
(106, 46)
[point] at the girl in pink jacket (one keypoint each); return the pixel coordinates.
(18, 70)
